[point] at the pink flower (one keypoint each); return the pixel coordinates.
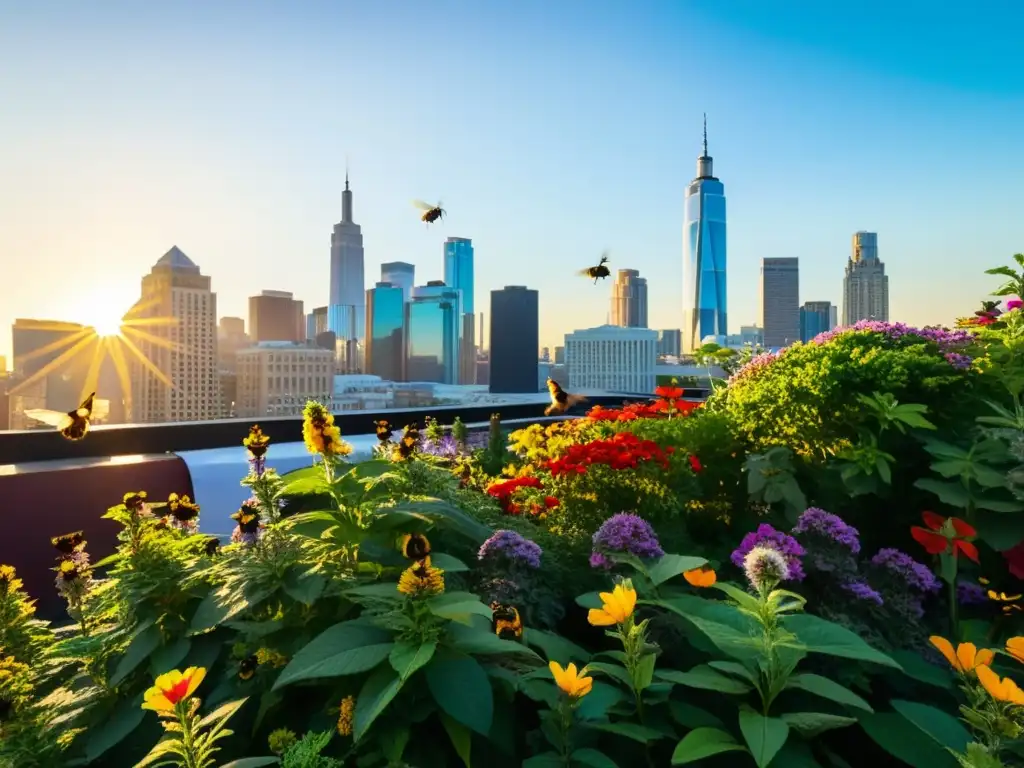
(1013, 304)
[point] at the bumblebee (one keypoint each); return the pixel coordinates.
(561, 401)
(415, 546)
(247, 668)
(431, 213)
(73, 425)
(69, 543)
(384, 431)
(248, 519)
(506, 622)
(600, 271)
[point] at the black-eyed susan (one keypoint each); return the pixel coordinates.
(346, 712)
(414, 546)
(69, 543)
(704, 576)
(247, 667)
(965, 658)
(172, 688)
(506, 622)
(617, 606)
(421, 580)
(575, 684)
(183, 512)
(249, 525)
(320, 434)
(1000, 689)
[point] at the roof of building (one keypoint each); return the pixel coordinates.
(176, 259)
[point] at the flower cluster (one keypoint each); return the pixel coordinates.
(504, 490)
(73, 571)
(346, 715)
(182, 513)
(628, 412)
(766, 537)
(513, 547)
(623, 451)
(407, 443)
(420, 578)
(946, 535)
(765, 567)
(257, 443)
(903, 582)
(818, 522)
(249, 528)
(624, 533)
(320, 434)
(947, 340)
(864, 591)
(755, 364)
(670, 401)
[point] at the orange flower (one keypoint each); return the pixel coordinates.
(617, 606)
(1001, 690)
(1015, 647)
(966, 658)
(947, 534)
(171, 688)
(574, 683)
(669, 393)
(701, 577)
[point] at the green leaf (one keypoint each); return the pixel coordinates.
(477, 641)
(889, 730)
(458, 606)
(169, 656)
(114, 729)
(743, 598)
(613, 671)
(704, 742)
(555, 647)
(252, 762)
(596, 704)
(447, 563)
(221, 604)
(591, 757)
(375, 695)
(693, 717)
(764, 735)
(632, 731)
(146, 640)
(735, 669)
(461, 688)
(811, 724)
(344, 649)
(589, 600)
(915, 666)
(829, 689)
(221, 714)
(669, 566)
(949, 493)
(544, 760)
(645, 671)
(305, 589)
(821, 636)
(444, 514)
(460, 736)
(706, 678)
(729, 630)
(940, 726)
(407, 657)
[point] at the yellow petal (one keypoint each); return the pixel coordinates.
(583, 686)
(946, 649)
(196, 675)
(627, 600)
(168, 680)
(984, 658)
(156, 701)
(1015, 647)
(965, 653)
(557, 672)
(600, 618)
(607, 597)
(989, 680)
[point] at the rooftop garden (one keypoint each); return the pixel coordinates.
(820, 566)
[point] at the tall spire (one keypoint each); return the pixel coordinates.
(704, 161)
(705, 134)
(346, 199)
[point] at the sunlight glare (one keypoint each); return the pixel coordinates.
(103, 312)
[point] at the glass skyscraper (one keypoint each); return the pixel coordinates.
(514, 340)
(458, 269)
(385, 332)
(704, 295)
(433, 333)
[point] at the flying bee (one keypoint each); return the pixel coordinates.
(431, 213)
(384, 431)
(561, 401)
(74, 425)
(599, 272)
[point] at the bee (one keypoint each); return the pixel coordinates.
(247, 667)
(600, 271)
(415, 546)
(506, 622)
(69, 543)
(74, 425)
(431, 213)
(384, 432)
(989, 309)
(561, 401)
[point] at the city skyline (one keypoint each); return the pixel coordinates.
(245, 169)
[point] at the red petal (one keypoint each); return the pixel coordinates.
(933, 521)
(933, 543)
(970, 551)
(963, 530)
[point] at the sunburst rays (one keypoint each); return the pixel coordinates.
(85, 343)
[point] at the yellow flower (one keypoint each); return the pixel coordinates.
(171, 688)
(8, 580)
(421, 579)
(574, 683)
(966, 657)
(256, 442)
(704, 576)
(271, 658)
(345, 713)
(1001, 690)
(1015, 647)
(319, 433)
(618, 606)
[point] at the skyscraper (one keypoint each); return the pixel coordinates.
(385, 332)
(276, 316)
(815, 318)
(515, 336)
(458, 274)
(670, 342)
(865, 285)
(399, 274)
(346, 313)
(433, 333)
(780, 301)
(176, 289)
(704, 251)
(316, 323)
(629, 300)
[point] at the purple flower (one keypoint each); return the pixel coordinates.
(969, 593)
(906, 569)
(445, 448)
(946, 340)
(512, 546)
(258, 464)
(819, 522)
(784, 544)
(755, 364)
(624, 533)
(863, 591)
(958, 361)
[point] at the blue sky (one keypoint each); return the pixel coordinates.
(551, 131)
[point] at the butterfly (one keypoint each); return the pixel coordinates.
(74, 425)
(561, 401)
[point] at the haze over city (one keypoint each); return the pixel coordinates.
(549, 135)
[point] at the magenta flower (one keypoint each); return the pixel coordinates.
(1013, 304)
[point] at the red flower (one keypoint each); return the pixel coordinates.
(946, 535)
(669, 393)
(622, 451)
(1015, 560)
(695, 464)
(551, 502)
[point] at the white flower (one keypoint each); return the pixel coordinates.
(765, 566)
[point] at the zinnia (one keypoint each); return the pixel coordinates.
(171, 688)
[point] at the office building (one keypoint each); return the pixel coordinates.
(560, 355)
(346, 311)
(458, 274)
(385, 332)
(612, 359)
(629, 300)
(231, 337)
(276, 316)
(704, 256)
(815, 317)
(865, 285)
(670, 342)
(833, 317)
(277, 378)
(316, 323)
(433, 330)
(780, 301)
(175, 288)
(515, 336)
(399, 274)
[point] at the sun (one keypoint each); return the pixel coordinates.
(105, 319)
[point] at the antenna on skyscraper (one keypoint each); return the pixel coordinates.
(346, 159)
(705, 134)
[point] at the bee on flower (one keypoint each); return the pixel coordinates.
(320, 434)
(407, 443)
(247, 667)
(257, 443)
(249, 527)
(415, 546)
(183, 513)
